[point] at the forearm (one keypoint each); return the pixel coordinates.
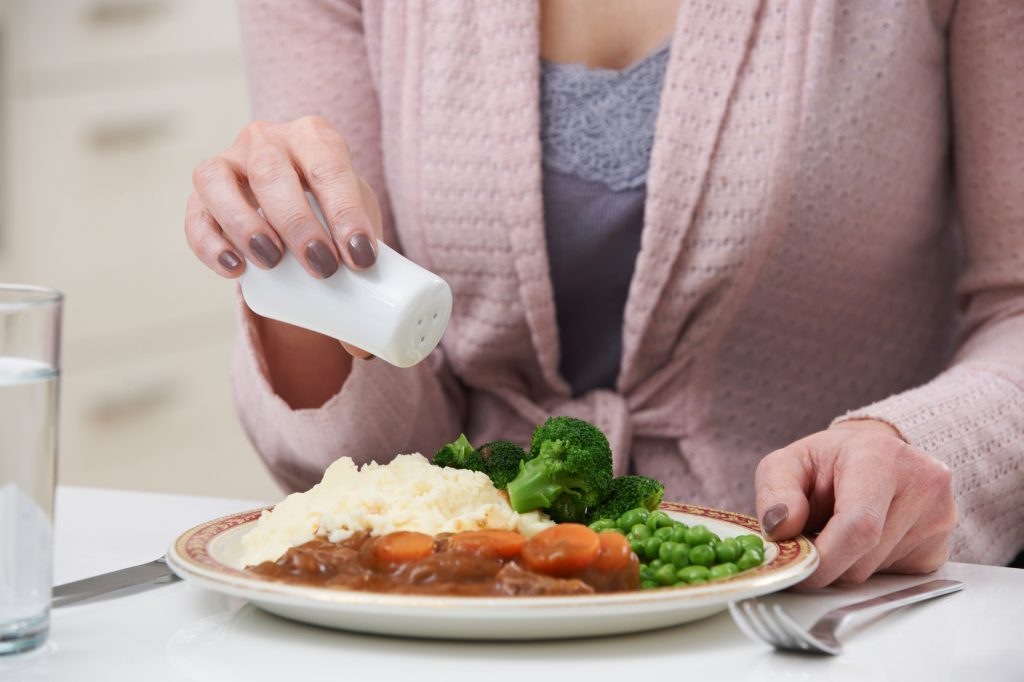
(304, 368)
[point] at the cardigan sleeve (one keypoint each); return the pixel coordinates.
(971, 416)
(309, 57)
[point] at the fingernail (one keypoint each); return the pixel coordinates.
(361, 250)
(229, 260)
(773, 517)
(320, 258)
(264, 249)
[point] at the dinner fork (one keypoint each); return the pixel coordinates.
(775, 626)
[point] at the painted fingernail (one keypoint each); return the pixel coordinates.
(265, 249)
(773, 517)
(320, 258)
(361, 250)
(229, 260)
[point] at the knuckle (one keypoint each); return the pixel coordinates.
(293, 221)
(253, 130)
(208, 171)
(857, 574)
(327, 172)
(866, 529)
(265, 169)
(345, 213)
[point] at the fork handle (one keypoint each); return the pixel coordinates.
(894, 600)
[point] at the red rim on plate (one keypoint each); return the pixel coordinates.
(193, 550)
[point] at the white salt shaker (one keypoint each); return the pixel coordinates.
(394, 309)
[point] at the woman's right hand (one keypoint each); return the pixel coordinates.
(269, 166)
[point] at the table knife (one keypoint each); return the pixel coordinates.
(115, 584)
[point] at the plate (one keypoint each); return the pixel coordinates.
(205, 556)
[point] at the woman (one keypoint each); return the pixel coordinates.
(763, 311)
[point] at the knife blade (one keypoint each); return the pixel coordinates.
(115, 584)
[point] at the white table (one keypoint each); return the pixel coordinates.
(180, 632)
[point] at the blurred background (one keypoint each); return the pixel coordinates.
(107, 105)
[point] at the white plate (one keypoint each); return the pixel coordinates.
(206, 554)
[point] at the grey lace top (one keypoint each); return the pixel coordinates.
(597, 130)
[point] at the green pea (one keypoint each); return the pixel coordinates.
(651, 547)
(678, 533)
(655, 565)
(723, 570)
(603, 524)
(698, 581)
(658, 519)
(698, 535)
(646, 573)
(680, 555)
(714, 539)
(640, 532)
(649, 584)
(663, 533)
(632, 517)
(726, 551)
(637, 546)
(702, 555)
(750, 559)
(751, 542)
(665, 551)
(666, 575)
(691, 573)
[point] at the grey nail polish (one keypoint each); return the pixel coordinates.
(320, 258)
(775, 515)
(361, 250)
(229, 260)
(265, 250)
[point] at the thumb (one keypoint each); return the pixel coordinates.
(780, 482)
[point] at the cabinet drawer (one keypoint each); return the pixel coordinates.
(97, 190)
(75, 33)
(158, 421)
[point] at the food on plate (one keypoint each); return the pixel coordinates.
(567, 559)
(499, 459)
(408, 494)
(629, 492)
(475, 522)
(672, 553)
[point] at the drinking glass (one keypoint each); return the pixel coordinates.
(29, 376)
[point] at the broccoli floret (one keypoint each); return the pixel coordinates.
(501, 459)
(459, 455)
(569, 472)
(629, 492)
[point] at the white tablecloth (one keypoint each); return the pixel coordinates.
(180, 632)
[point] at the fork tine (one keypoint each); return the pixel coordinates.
(790, 626)
(739, 617)
(756, 622)
(781, 635)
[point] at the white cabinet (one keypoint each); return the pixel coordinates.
(107, 107)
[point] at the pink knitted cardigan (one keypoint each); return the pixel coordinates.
(798, 258)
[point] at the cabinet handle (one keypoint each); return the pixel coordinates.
(124, 12)
(133, 403)
(131, 133)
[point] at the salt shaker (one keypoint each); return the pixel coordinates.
(394, 309)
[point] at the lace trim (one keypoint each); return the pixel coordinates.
(598, 124)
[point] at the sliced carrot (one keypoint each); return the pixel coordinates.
(402, 547)
(561, 550)
(503, 544)
(615, 554)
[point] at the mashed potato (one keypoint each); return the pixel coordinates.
(407, 494)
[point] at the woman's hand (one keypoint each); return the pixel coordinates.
(880, 505)
(269, 166)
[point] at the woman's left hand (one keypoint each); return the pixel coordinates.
(880, 504)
